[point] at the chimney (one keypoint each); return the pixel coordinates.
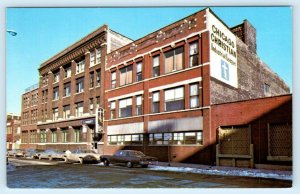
(247, 33)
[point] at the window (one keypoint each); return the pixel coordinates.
(125, 107)
(79, 109)
(98, 55)
(126, 75)
(156, 139)
(68, 72)
(174, 60)
(130, 139)
(224, 70)
(267, 89)
(53, 136)
(193, 52)
(92, 58)
(113, 80)
(77, 135)
(43, 136)
(56, 77)
(155, 66)
(24, 137)
(55, 114)
(79, 85)
(64, 135)
(155, 102)
(174, 99)
(176, 138)
(98, 101)
(66, 112)
(112, 109)
(80, 66)
(67, 89)
(55, 93)
(194, 95)
(98, 77)
(91, 79)
(138, 109)
(32, 136)
(91, 103)
(45, 96)
(139, 75)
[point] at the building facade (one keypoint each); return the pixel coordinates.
(71, 87)
(160, 89)
(29, 117)
(13, 129)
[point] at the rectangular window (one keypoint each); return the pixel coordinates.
(155, 102)
(193, 52)
(174, 60)
(174, 99)
(56, 77)
(267, 89)
(156, 139)
(126, 75)
(129, 139)
(32, 136)
(55, 93)
(194, 95)
(113, 80)
(55, 114)
(91, 103)
(65, 136)
(92, 58)
(67, 89)
(112, 109)
(98, 55)
(77, 135)
(68, 72)
(79, 85)
(80, 66)
(98, 77)
(43, 136)
(53, 136)
(98, 101)
(178, 138)
(224, 70)
(125, 107)
(155, 66)
(139, 74)
(66, 112)
(79, 109)
(139, 105)
(24, 137)
(91, 79)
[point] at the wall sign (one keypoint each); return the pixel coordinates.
(223, 51)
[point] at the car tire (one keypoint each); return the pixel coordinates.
(81, 160)
(40, 157)
(129, 164)
(65, 159)
(144, 165)
(106, 162)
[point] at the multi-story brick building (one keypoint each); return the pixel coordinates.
(71, 87)
(159, 89)
(29, 117)
(13, 122)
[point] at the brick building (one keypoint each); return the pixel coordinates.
(13, 122)
(160, 89)
(29, 117)
(71, 87)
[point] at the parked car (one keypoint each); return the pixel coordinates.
(15, 153)
(82, 156)
(30, 153)
(52, 154)
(129, 158)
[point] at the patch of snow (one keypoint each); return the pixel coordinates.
(243, 173)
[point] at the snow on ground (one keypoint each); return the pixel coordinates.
(281, 175)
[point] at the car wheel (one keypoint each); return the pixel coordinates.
(106, 163)
(81, 160)
(129, 164)
(40, 157)
(144, 165)
(65, 159)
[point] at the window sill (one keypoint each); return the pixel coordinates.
(66, 96)
(79, 92)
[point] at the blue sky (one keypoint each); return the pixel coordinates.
(43, 32)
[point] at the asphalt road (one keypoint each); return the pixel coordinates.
(48, 174)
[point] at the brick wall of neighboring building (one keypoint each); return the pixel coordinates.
(12, 131)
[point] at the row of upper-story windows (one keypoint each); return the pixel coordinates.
(30, 100)
(95, 58)
(172, 60)
(174, 99)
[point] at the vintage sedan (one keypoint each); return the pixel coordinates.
(15, 153)
(129, 158)
(51, 155)
(82, 156)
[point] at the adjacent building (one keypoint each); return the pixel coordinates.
(160, 89)
(13, 129)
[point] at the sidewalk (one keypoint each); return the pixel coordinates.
(223, 170)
